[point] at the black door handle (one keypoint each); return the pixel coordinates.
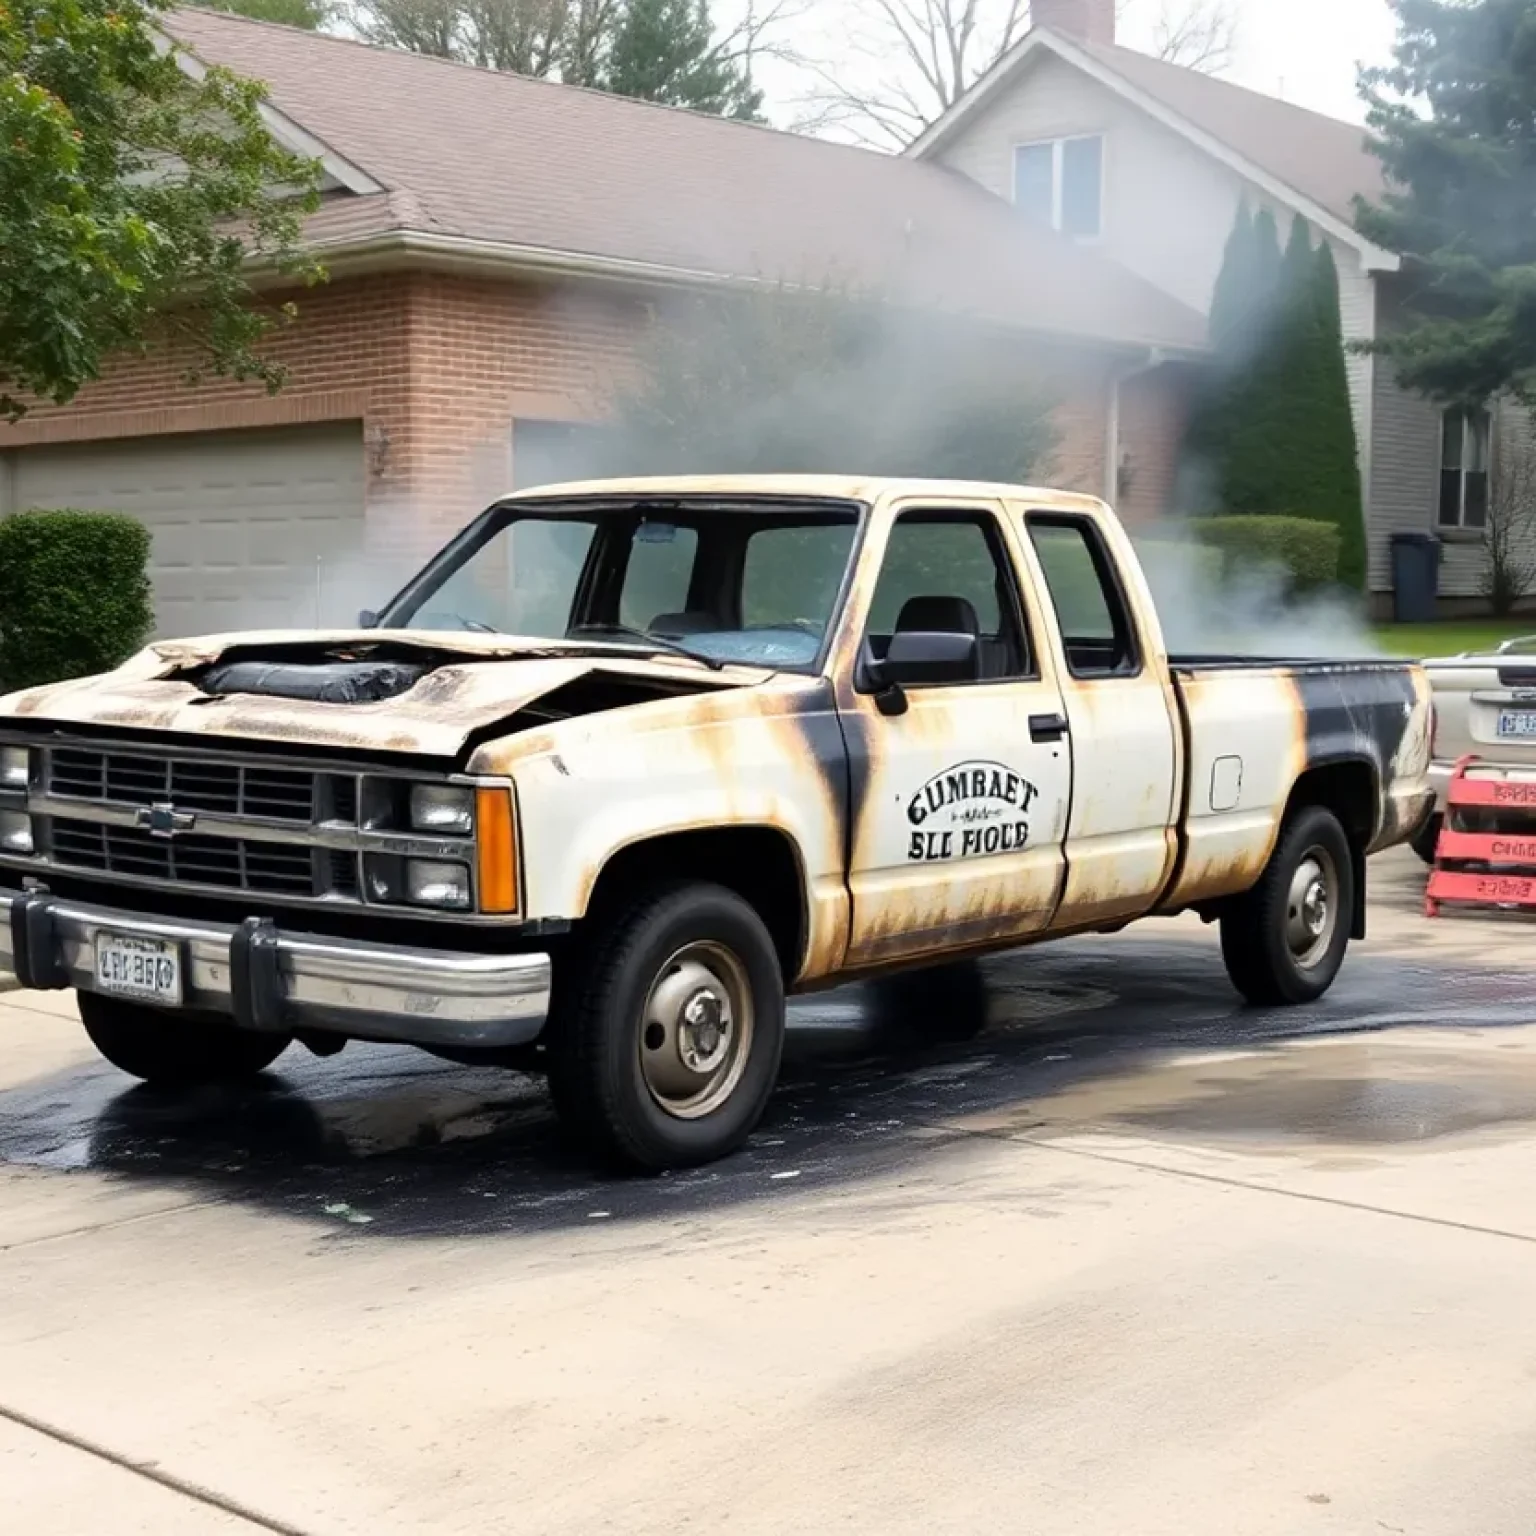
(1047, 727)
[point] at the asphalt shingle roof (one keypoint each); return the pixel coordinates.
(1320, 157)
(496, 157)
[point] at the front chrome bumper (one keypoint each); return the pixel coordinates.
(267, 978)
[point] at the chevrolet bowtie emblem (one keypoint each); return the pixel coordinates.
(165, 820)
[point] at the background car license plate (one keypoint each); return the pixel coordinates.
(148, 970)
(1518, 722)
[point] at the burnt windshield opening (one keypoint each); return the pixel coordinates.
(755, 581)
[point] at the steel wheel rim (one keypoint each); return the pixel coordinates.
(696, 1030)
(1312, 908)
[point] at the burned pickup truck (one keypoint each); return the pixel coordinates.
(629, 762)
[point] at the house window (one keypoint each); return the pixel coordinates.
(1464, 439)
(1061, 183)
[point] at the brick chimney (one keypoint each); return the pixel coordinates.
(1091, 20)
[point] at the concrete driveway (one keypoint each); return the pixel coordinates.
(1132, 1260)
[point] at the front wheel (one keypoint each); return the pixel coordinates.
(1285, 940)
(171, 1049)
(667, 1049)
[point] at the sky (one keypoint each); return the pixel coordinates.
(1303, 50)
(1307, 50)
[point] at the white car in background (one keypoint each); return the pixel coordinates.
(1484, 706)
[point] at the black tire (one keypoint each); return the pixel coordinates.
(1259, 932)
(600, 1074)
(171, 1050)
(1427, 839)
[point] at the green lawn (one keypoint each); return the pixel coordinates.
(1452, 636)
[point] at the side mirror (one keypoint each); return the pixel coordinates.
(368, 619)
(919, 656)
(913, 659)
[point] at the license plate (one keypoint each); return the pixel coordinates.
(148, 970)
(1519, 723)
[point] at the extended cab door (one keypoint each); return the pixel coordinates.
(960, 797)
(1122, 837)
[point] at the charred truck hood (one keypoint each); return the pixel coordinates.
(370, 691)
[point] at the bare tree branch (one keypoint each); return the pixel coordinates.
(566, 40)
(1200, 34)
(1509, 554)
(901, 64)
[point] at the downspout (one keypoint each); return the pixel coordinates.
(1154, 360)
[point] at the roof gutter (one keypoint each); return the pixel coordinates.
(390, 250)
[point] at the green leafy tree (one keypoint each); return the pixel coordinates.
(786, 381)
(1241, 323)
(1273, 432)
(1339, 499)
(666, 51)
(131, 197)
(1246, 285)
(565, 40)
(308, 14)
(1454, 118)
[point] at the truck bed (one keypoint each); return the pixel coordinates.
(1257, 725)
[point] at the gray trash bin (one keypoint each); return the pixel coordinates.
(1415, 577)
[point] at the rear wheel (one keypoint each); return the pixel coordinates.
(1285, 940)
(665, 1051)
(172, 1049)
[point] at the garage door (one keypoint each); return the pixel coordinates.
(251, 529)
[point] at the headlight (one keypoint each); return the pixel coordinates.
(431, 884)
(14, 767)
(443, 809)
(15, 832)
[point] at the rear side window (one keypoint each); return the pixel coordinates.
(1096, 628)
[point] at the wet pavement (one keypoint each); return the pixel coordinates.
(1082, 1035)
(1030, 1245)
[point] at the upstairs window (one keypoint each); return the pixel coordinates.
(1060, 183)
(1464, 445)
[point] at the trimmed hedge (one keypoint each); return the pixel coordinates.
(1171, 564)
(1308, 551)
(74, 595)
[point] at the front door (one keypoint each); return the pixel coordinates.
(961, 802)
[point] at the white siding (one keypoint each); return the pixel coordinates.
(1405, 485)
(1405, 474)
(1168, 206)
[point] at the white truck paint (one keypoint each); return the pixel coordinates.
(1484, 706)
(597, 809)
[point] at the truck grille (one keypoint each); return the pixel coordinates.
(274, 869)
(231, 789)
(113, 811)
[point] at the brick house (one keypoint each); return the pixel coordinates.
(1145, 163)
(496, 245)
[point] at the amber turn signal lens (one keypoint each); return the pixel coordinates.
(498, 850)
